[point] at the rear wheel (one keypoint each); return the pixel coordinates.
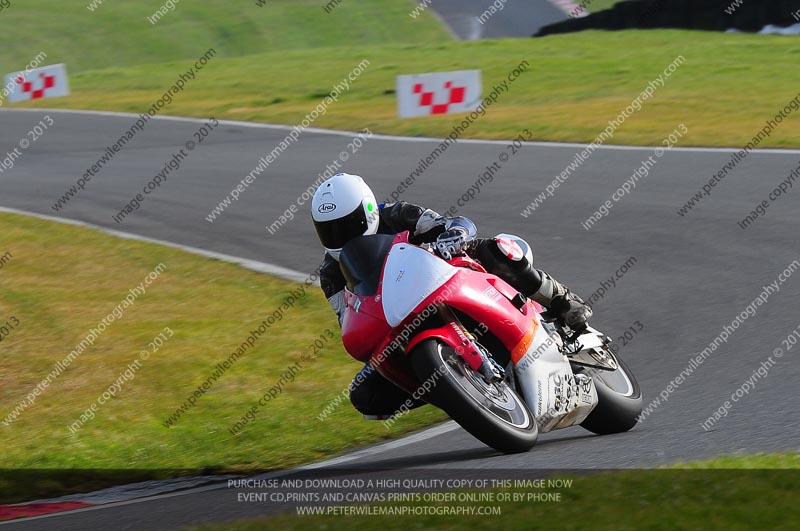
(619, 400)
(492, 413)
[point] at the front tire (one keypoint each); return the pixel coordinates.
(619, 401)
(493, 414)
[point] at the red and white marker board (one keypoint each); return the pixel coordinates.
(45, 82)
(438, 93)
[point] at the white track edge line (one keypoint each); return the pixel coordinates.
(380, 448)
(253, 265)
(397, 138)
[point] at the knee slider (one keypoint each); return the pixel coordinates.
(517, 270)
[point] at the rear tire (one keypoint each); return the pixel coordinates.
(495, 415)
(619, 401)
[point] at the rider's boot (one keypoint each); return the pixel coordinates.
(558, 298)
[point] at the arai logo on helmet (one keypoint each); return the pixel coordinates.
(324, 208)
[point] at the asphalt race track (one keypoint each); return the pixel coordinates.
(515, 19)
(692, 276)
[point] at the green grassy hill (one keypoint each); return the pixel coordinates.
(275, 63)
(117, 32)
(724, 92)
(598, 5)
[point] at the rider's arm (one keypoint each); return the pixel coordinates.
(424, 224)
(332, 283)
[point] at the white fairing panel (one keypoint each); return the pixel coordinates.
(556, 398)
(410, 276)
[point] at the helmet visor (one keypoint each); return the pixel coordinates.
(335, 233)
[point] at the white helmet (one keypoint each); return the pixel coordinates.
(343, 208)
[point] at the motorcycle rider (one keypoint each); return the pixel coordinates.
(344, 207)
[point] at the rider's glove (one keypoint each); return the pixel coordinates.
(572, 310)
(452, 241)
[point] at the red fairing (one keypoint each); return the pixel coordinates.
(364, 328)
(484, 297)
(465, 261)
(453, 335)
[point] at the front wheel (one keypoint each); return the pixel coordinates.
(492, 413)
(619, 400)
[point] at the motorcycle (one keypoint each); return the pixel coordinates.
(464, 340)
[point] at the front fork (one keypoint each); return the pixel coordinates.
(465, 344)
(489, 369)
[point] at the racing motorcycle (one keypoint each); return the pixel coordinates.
(457, 337)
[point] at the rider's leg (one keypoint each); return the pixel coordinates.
(377, 398)
(515, 266)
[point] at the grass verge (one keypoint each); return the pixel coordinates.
(739, 493)
(729, 85)
(61, 281)
(118, 34)
(598, 5)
